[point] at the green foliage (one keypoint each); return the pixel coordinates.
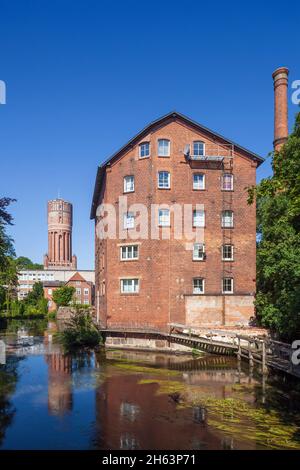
(80, 332)
(278, 249)
(63, 296)
(26, 263)
(6, 242)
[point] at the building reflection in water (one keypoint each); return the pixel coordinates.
(130, 415)
(60, 399)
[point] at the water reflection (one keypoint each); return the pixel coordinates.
(136, 400)
(60, 398)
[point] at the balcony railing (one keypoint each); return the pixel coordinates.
(211, 152)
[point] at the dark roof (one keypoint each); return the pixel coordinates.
(145, 131)
(53, 283)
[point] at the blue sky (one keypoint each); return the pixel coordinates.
(84, 76)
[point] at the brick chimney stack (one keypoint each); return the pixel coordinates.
(280, 78)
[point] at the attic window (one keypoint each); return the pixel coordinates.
(198, 148)
(144, 149)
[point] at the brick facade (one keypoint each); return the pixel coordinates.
(165, 268)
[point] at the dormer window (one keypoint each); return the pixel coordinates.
(163, 148)
(198, 149)
(144, 149)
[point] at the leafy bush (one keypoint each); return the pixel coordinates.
(63, 296)
(80, 332)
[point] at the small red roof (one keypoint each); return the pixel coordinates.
(77, 277)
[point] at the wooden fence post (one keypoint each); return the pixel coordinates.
(264, 358)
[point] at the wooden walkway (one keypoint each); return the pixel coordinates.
(264, 352)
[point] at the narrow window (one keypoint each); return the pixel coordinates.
(164, 217)
(198, 252)
(198, 181)
(164, 180)
(227, 219)
(129, 286)
(227, 182)
(128, 220)
(144, 149)
(86, 291)
(198, 218)
(227, 285)
(163, 148)
(129, 252)
(128, 184)
(198, 149)
(227, 252)
(198, 285)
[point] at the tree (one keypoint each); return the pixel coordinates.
(278, 248)
(63, 295)
(26, 263)
(9, 280)
(35, 294)
(6, 242)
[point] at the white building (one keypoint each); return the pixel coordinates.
(27, 278)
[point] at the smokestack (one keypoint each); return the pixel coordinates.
(280, 77)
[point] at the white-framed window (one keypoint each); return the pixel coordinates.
(227, 285)
(227, 219)
(128, 220)
(163, 180)
(77, 283)
(86, 291)
(129, 252)
(144, 149)
(198, 252)
(198, 218)
(164, 217)
(130, 286)
(128, 184)
(198, 181)
(227, 182)
(198, 148)
(227, 252)
(163, 148)
(198, 285)
(86, 302)
(78, 291)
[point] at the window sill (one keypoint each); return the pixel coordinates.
(164, 156)
(168, 189)
(198, 189)
(144, 158)
(129, 293)
(199, 260)
(132, 259)
(227, 260)
(128, 192)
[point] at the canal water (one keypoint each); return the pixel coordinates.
(136, 400)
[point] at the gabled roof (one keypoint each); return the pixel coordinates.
(77, 277)
(172, 115)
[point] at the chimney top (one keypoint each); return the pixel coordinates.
(280, 70)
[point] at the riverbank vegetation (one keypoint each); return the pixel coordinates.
(80, 332)
(278, 247)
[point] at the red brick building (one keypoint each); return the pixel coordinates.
(84, 290)
(154, 281)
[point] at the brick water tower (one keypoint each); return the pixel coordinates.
(60, 215)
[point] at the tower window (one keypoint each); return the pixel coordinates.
(227, 219)
(164, 217)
